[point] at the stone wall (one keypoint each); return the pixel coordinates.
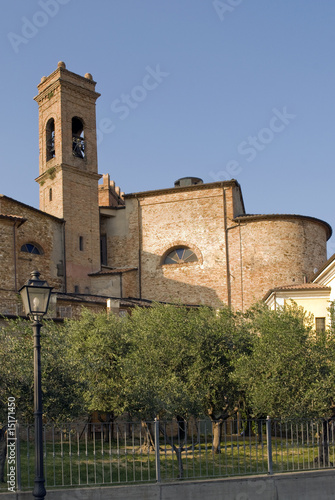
(290, 486)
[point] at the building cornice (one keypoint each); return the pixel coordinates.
(183, 189)
(58, 219)
(62, 77)
(259, 217)
(70, 168)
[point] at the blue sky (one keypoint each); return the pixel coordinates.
(216, 89)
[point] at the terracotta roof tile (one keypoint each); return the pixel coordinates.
(304, 286)
(298, 287)
(14, 218)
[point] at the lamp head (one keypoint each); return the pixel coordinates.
(36, 296)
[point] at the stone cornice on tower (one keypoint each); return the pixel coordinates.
(72, 81)
(58, 168)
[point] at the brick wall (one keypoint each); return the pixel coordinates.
(40, 229)
(272, 252)
(239, 258)
(69, 184)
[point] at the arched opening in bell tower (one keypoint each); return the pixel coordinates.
(78, 139)
(50, 139)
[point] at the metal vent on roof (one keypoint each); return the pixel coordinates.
(188, 181)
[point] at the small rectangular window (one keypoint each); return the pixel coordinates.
(76, 289)
(320, 324)
(81, 243)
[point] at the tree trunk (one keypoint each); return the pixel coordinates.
(181, 428)
(177, 449)
(217, 423)
(148, 443)
(107, 425)
(217, 433)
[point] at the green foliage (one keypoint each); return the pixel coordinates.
(61, 396)
(179, 361)
(173, 361)
(163, 360)
(98, 345)
(163, 349)
(290, 369)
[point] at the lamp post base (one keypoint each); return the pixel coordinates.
(39, 491)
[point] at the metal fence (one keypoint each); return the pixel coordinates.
(121, 452)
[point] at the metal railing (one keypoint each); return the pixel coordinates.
(86, 454)
(12, 308)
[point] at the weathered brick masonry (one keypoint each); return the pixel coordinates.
(239, 256)
(69, 181)
(97, 243)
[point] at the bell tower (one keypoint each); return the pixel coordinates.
(68, 168)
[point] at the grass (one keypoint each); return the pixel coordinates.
(75, 460)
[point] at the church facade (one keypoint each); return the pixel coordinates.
(192, 243)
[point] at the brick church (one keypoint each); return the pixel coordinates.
(191, 243)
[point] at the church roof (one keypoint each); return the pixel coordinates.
(298, 287)
(31, 208)
(178, 189)
(255, 217)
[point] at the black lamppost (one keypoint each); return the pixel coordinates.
(35, 297)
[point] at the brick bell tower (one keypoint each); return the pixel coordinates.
(68, 168)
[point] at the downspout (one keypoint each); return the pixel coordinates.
(241, 263)
(15, 264)
(64, 257)
(139, 222)
(226, 245)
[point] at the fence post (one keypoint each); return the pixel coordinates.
(269, 444)
(157, 458)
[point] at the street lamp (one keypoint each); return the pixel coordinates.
(35, 297)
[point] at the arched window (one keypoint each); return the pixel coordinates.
(180, 255)
(50, 139)
(31, 248)
(78, 140)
